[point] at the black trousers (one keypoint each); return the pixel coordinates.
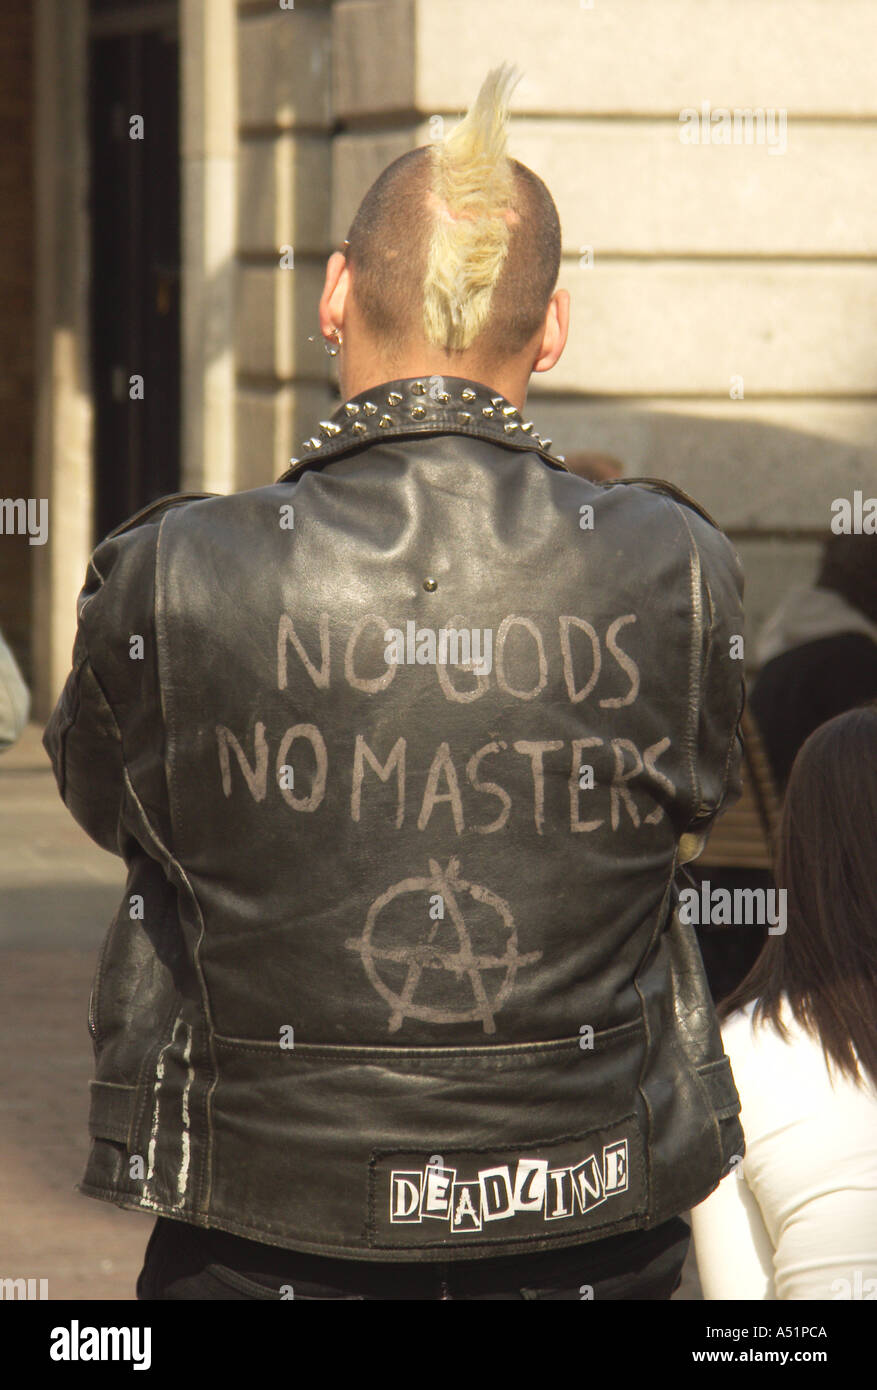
(186, 1262)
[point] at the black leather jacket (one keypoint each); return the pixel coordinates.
(397, 974)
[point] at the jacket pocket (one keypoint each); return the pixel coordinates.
(463, 1150)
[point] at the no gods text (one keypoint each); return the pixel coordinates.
(594, 665)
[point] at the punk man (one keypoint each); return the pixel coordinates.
(402, 753)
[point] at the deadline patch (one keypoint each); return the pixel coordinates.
(593, 1180)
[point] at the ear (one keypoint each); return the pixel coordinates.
(554, 333)
(334, 296)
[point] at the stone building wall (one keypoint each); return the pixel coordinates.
(695, 270)
(284, 196)
(16, 315)
(724, 296)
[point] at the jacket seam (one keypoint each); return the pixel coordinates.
(397, 1150)
(735, 733)
(364, 1052)
(647, 1050)
(67, 721)
(97, 1032)
(205, 1164)
(695, 661)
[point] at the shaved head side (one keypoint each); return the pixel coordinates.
(387, 249)
(457, 244)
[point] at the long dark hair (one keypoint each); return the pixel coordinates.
(826, 960)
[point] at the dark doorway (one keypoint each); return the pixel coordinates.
(135, 256)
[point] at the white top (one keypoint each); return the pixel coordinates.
(800, 1220)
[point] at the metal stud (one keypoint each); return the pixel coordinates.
(497, 401)
(526, 426)
(442, 397)
(418, 388)
(370, 408)
(430, 584)
(293, 462)
(352, 408)
(510, 426)
(315, 443)
(385, 422)
(467, 394)
(488, 412)
(329, 428)
(510, 410)
(394, 398)
(546, 443)
(464, 417)
(418, 413)
(359, 427)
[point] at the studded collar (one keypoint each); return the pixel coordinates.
(421, 405)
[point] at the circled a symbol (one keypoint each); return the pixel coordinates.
(425, 956)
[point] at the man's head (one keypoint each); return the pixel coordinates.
(451, 264)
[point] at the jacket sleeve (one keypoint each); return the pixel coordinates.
(110, 713)
(112, 696)
(84, 744)
(14, 698)
(717, 611)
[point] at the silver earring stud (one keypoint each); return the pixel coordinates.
(332, 351)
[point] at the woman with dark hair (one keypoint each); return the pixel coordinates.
(818, 651)
(797, 1217)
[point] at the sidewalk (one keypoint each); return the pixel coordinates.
(58, 894)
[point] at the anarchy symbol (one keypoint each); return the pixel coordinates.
(426, 956)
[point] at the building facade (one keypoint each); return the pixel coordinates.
(175, 174)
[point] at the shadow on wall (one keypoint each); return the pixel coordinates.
(767, 483)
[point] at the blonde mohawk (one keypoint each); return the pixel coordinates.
(472, 184)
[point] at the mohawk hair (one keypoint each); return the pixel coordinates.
(457, 244)
(473, 184)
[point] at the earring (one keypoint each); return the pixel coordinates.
(332, 351)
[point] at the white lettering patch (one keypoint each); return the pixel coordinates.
(505, 1191)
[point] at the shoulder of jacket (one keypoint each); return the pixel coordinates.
(153, 510)
(107, 557)
(674, 493)
(716, 552)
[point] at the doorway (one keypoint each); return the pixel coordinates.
(134, 206)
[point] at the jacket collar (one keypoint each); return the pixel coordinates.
(414, 406)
